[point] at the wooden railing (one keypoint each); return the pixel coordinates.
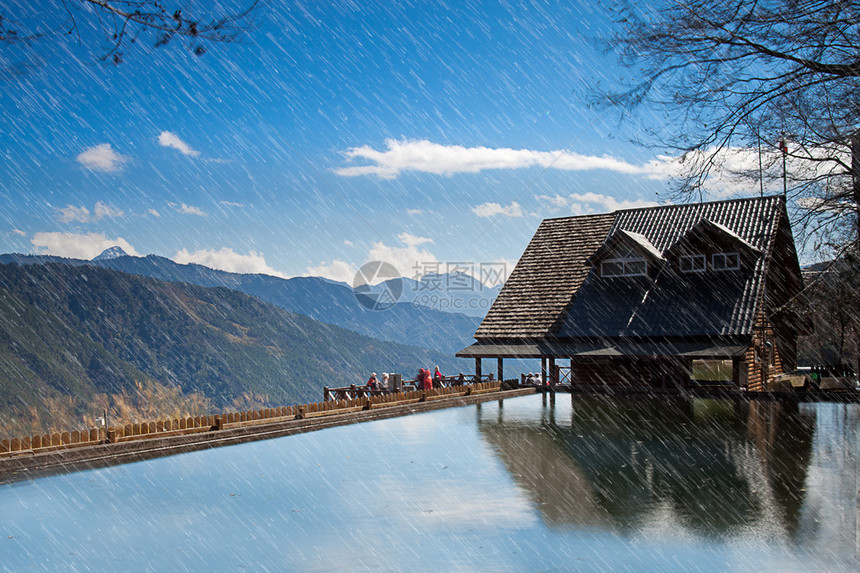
(353, 391)
(37, 444)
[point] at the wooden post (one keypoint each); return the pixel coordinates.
(543, 370)
(553, 375)
(478, 369)
(500, 369)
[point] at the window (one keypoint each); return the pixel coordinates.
(624, 263)
(632, 267)
(612, 268)
(725, 261)
(692, 264)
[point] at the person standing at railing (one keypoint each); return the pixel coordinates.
(438, 379)
(373, 383)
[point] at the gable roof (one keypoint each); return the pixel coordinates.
(553, 293)
(707, 229)
(549, 272)
(621, 237)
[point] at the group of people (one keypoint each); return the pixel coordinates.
(423, 381)
(427, 381)
(374, 384)
(534, 379)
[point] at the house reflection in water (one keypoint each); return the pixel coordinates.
(709, 467)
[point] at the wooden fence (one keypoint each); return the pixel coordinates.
(353, 391)
(32, 445)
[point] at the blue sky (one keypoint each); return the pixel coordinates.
(334, 134)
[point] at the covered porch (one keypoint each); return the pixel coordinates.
(623, 363)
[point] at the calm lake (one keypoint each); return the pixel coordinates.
(529, 485)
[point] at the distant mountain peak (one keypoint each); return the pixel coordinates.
(111, 253)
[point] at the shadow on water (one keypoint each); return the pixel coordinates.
(712, 467)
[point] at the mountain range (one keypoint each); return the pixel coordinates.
(407, 322)
(75, 339)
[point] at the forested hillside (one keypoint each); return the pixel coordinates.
(321, 299)
(77, 339)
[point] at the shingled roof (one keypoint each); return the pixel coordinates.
(548, 274)
(553, 293)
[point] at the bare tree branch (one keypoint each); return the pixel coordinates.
(122, 22)
(739, 74)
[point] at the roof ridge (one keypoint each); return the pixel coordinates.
(671, 206)
(583, 216)
(700, 203)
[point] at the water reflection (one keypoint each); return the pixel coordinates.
(715, 469)
(524, 485)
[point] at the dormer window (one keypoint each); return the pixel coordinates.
(625, 263)
(725, 261)
(692, 263)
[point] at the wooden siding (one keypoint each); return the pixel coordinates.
(768, 356)
(631, 372)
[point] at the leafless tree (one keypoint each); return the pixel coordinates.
(832, 304)
(780, 76)
(124, 22)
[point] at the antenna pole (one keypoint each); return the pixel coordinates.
(783, 146)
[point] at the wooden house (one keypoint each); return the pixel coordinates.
(658, 297)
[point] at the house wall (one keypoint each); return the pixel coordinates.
(628, 372)
(772, 352)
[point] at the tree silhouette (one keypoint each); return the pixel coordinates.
(124, 22)
(750, 86)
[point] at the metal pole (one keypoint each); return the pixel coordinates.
(783, 146)
(760, 173)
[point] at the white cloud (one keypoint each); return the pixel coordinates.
(587, 203)
(187, 209)
(408, 259)
(494, 209)
(232, 204)
(428, 157)
(102, 157)
(78, 246)
(104, 210)
(169, 139)
(72, 213)
(411, 261)
(739, 171)
(153, 212)
(412, 240)
(414, 211)
(19, 232)
(226, 259)
(336, 270)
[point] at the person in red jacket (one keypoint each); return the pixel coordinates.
(425, 381)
